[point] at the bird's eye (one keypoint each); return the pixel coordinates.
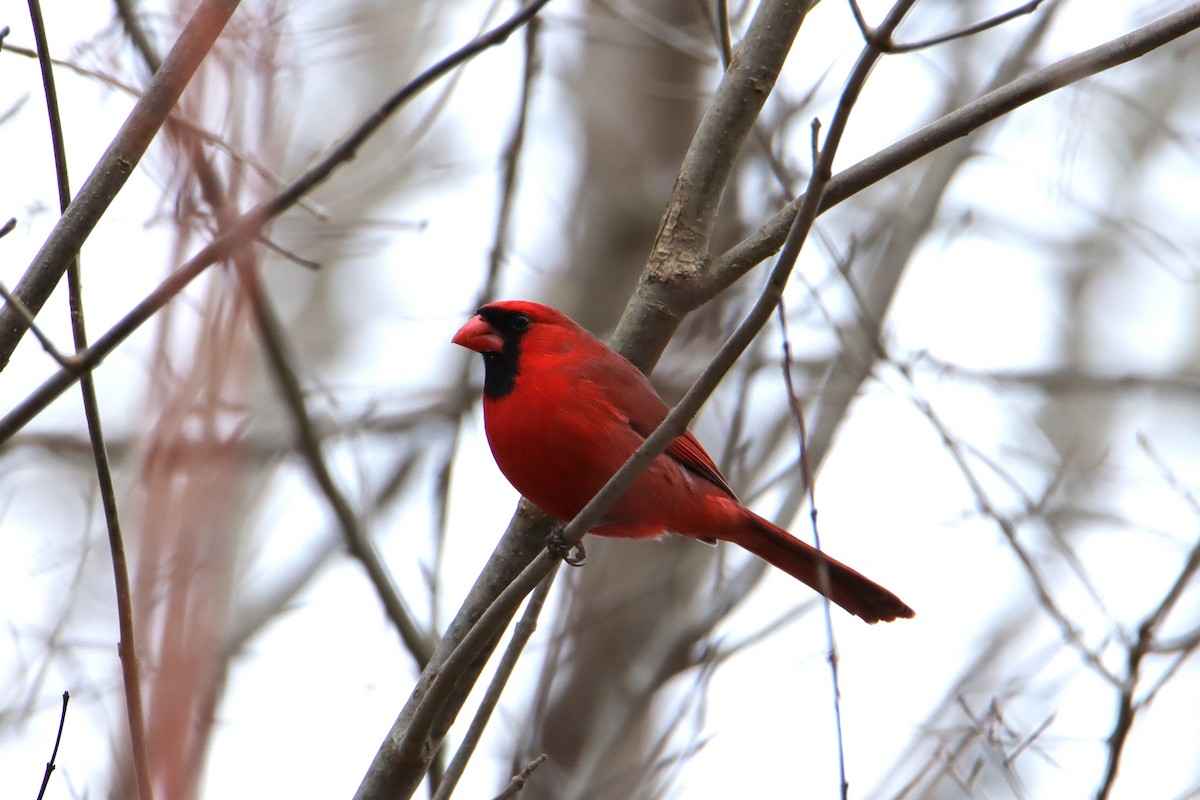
(520, 323)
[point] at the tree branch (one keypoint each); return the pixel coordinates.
(744, 256)
(127, 643)
(668, 287)
(245, 229)
(113, 168)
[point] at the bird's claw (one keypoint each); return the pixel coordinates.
(559, 547)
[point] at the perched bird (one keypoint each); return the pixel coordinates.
(563, 412)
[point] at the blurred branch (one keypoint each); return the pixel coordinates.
(1069, 631)
(248, 226)
(132, 24)
(176, 119)
(1069, 381)
(282, 370)
(260, 446)
(357, 542)
(127, 645)
(114, 168)
(251, 621)
(1146, 641)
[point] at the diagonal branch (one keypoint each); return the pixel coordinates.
(747, 254)
(113, 168)
(280, 364)
(246, 228)
(309, 443)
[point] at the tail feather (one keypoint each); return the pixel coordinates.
(850, 590)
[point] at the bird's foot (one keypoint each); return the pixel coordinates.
(559, 547)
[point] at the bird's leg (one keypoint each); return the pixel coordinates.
(559, 547)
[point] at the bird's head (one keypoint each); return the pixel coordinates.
(503, 332)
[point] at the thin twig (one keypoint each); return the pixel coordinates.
(1145, 643)
(885, 43)
(822, 569)
(14, 302)
(127, 646)
(518, 781)
(969, 30)
(62, 720)
(1192, 563)
(1009, 529)
(523, 630)
(288, 255)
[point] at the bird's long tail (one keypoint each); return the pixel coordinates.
(850, 590)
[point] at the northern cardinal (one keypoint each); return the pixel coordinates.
(563, 413)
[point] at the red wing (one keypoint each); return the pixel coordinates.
(688, 451)
(630, 392)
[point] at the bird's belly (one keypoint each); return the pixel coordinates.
(561, 477)
(560, 457)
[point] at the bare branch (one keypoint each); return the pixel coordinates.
(11, 301)
(1069, 631)
(114, 167)
(970, 30)
(518, 781)
(1145, 643)
(357, 542)
(62, 721)
(127, 646)
(246, 227)
(680, 251)
(870, 34)
(521, 633)
(744, 256)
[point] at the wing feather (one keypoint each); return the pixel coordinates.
(631, 392)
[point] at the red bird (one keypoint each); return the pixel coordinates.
(563, 413)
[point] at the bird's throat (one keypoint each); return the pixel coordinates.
(500, 372)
